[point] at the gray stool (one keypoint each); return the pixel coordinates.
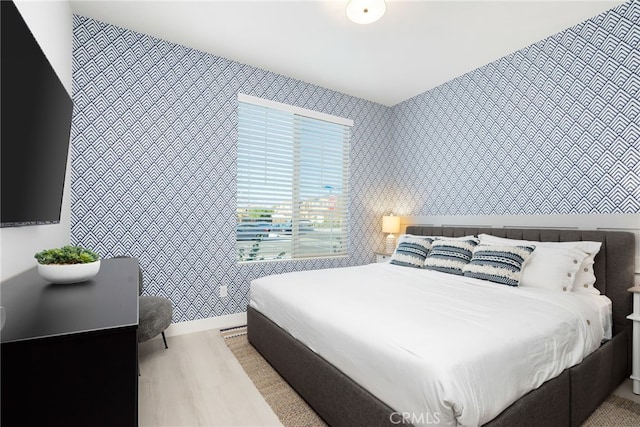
(154, 313)
(155, 317)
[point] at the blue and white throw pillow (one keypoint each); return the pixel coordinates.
(498, 263)
(450, 255)
(411, 251)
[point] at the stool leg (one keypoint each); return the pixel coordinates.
(165, 340)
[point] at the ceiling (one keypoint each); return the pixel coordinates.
(414, 47)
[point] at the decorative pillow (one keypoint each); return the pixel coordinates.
(450, 255)
(411, 251)
(498, 263)
(556, 265)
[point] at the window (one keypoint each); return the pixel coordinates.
(293, 171)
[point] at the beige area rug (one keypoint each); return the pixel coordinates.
(616, 411)
(290, 408)
(293, 411)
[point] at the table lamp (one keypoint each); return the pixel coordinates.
(391, 225)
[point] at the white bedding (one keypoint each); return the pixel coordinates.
(443, 349)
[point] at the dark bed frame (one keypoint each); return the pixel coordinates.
(566, 400)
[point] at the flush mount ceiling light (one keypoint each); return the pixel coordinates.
(365, 11)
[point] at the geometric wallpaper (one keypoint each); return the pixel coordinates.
(153, 164)
(550, 129)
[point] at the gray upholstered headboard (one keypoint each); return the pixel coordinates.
(614, 265)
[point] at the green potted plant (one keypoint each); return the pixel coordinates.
(68, 264)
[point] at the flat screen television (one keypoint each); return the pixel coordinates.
(35, 127)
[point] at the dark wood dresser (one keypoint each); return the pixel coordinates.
(69, 353)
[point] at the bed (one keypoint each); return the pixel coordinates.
(341, 397)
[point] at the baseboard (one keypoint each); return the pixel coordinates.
(220, 322)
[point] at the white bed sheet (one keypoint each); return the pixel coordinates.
(444, 349)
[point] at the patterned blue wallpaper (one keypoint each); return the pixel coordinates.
(551, 129)
(153, 163)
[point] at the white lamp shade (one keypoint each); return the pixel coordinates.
(390, 224)
(365, 11)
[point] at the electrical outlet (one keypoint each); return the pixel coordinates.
(223, 291)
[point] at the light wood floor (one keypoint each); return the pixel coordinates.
(626, 390)
(198, 382)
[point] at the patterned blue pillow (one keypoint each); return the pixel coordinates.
(450, 255)
(411, 251)
(498, 263)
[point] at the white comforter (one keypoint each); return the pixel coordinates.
(438, 348)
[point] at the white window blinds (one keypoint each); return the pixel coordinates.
(293, 171)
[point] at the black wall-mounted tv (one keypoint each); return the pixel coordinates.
(35, 127)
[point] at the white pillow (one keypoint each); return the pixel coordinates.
(437, 237)
(586, 278)
(567, 266)
(455, 238)
(417, 236)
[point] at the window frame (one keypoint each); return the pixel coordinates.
(295, 253)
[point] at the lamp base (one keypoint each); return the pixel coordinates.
(390, 245)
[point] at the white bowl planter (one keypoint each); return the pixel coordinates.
(68, 273)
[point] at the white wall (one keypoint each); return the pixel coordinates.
(51, 24)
